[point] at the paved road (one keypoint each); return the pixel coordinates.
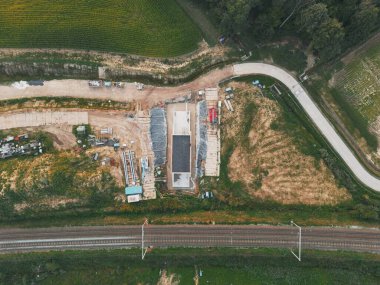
(316, 116)
(17, 240)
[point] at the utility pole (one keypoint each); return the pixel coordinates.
(299, 240)
(143, 249)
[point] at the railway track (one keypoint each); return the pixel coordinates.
(20, 240)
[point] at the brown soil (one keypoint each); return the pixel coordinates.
(150, 96)
(53, 203)
(116, 169)
(128, 130)
(286, 175)
(62, 135)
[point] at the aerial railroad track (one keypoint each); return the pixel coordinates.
(20, 240)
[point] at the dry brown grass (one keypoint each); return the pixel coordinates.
(167, 279)
(272, 167)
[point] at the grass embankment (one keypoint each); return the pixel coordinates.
(365, 205)
(365, 202)
(353, 92)
(287, 56)
(258, 139)
(63, 102)
(218, 266)
(143, 27)
(358, 82)
(200, 14)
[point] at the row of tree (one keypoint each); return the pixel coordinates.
(330, 26)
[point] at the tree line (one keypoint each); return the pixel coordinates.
(328, 26)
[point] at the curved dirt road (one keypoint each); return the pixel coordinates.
(316, 116)
(153, 95)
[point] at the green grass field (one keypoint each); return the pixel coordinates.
(359, 83)
(219, 266)
(158, 28)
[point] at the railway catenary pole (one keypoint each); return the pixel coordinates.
(142, 240)
(299, 241)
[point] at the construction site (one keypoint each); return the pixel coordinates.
(174, 142)
(186, 138)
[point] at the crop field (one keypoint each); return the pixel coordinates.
(359, 83)
(151, 28)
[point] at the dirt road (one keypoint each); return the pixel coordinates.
(150, 96)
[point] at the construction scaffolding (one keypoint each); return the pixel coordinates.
(147, 158)
(133, 190)
(213, 109)
(130, 174)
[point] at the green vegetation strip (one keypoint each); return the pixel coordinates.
(63, 102)
(218, 266)
(144, 27)
(365, 204)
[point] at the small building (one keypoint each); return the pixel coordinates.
(36, 83)
(134, 198)
(133, 190)
(181, 150)
(81, 130)
(108, 84)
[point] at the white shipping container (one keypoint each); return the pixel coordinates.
(134, 198)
